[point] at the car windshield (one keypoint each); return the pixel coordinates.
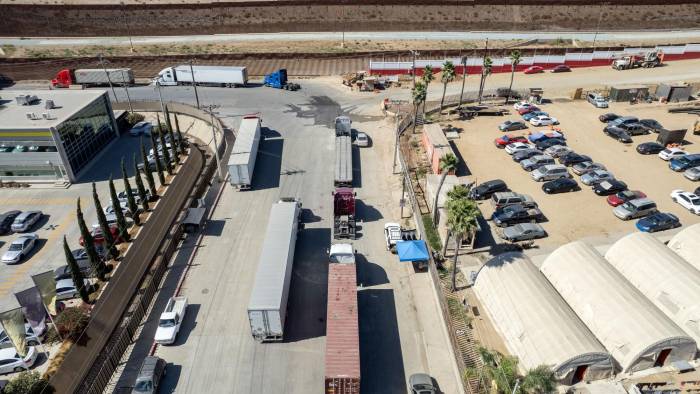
(695, 201)
(144, 386)
(15, 247)
(343, 258)
(628, 206)
(167, 323)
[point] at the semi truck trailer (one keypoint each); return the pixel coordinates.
(343, 161)
(87, 77)
(226, 76)
(241, 163)
(267, 308)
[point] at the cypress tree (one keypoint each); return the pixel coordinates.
(121, 220)
(98, 266)
(166, 154)
(139, 186)
(173, 146)
(75, 273)
(130, 200)
(181, 141)
(147, 171)
(167, 118)
(156, 156)
(102, 220)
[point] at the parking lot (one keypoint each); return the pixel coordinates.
(582, 214)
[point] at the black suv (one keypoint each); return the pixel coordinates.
(486, 189)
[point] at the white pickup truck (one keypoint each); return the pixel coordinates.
(171, 320)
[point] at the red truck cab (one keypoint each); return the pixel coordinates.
(64, 78)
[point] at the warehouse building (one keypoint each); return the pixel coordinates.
(675, 289)
(687, 244)
(536, 324)
(50, 135)
(635, 332)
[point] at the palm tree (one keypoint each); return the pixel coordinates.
(485, 72)
(116, 204)
(139, 186)
(130, 200)
(419, 94)
(427, 78)
(461, 222)
(447, 164)
(147, 171)
(515, 59)
(75, 273)
(448, 75)
(458, 192)
(112, 250)
(540, 380)
(89, 244)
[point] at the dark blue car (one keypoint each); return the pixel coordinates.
(658, 222)
(684, 162)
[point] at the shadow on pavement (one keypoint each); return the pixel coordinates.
(169, 382)
(462, 168)
(109, 160)
(356, 166)
(214, 228)
(366, 213)
(268, 163)
(188, 325)
(381, 360)
(369, 274)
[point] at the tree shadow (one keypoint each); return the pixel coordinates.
(485, 236)
(369, 274)
(268, 164)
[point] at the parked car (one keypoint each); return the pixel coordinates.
(697, 191)
(523, 232)
(533, 114)
(557, 150)
(586, 166)
(526, 110)
(618, 134)
(561, 185)
(561, 68)
(636, 208)
(550, 172)
(536, 162)
(64, 271)
(503, 199)
(6, 220)
(692, 173)
(597, 100)
(687, 200)
(150, 374)
(671, 153)
(633, 129)
(141, 128)
(502, 141)
(487, 189)
(550, 142)
(124, 199)
(572, 158)
(525, 154)
(25, 220)
(622, 197)
(652, 125)
(605, 118)
(11, 362)
(512, 125)
(545, 135)
(523, 104)
(98, 238)
(533, 70)
(622, 120)
(20, 248)
(421, 383)
(513, 214)
(597, 176)
(658, 222)
(517, 147)
(66, 290)
(30, 337)
(684, 162)
(109, 209)
(362, 139)
(543, 121)
(649, 148)
(609, 187)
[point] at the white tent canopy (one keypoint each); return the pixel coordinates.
(667, 280)
(635, 332)
(687, 244)
(536, 323)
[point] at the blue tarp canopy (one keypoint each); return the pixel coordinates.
(412, 250)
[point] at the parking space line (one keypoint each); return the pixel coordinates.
(37, 201)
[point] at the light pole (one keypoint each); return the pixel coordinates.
(109, 80)
(126, 89)
(414, 53)
(597, 28)
(128, 28)
(194, 83)
(220, 174)
(160, 96)
(464, 80)
(396, 143)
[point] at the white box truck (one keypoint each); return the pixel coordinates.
(267, 308)
(228, 76)
(241, 163)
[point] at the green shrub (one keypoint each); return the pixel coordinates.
(431, 233)
(133, 118)
(28, 383)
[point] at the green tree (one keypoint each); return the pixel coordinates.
(98, 266)
(485, 72)
(167, 118)
(461, 221)
(173, 147)
(130, 200)
(118, 212)
(143, 196)
(540, 380)
(180, 139)
(75, 273)
(164, 150)
(419, 94)
(498, 373)
(458, 192)
(147, 171)
(110, 246)
(447, 163)
(28, 382)
(515, 59)
(448, 75)
(156, 157)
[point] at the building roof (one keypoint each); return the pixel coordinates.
(633, 330)
(535, 322)
(687, 244)
(667, 280)
(67, 102)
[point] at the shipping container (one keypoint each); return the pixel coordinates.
(342, 374)
(343, 161)
(93, 77)
(241, 163)
(230, 76)
(267, 308)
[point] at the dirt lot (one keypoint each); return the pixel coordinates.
(582, 214)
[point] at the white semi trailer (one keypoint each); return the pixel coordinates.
(241, 163)
(267, 308)
(228, 76)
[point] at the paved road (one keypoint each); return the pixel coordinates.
(377, 36)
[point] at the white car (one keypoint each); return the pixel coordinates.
(517, 147)
(672, 153)
(692, 173)
(687, 200)
(593, 178)
(362, 139)
(109, 209)
(65, 289)
(25, 220)
(141, 128)
(11, 362)
(19, 248)
(122, 197)
(543, 120)
(522, 104)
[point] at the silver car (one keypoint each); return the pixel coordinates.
(362, 139)
(25, 221)
(11, 362)
(421, 383)
(586, 166)
(636, 208)
(692, 173)
(523, 232)
(66, 290)
(557, 150)
(20, 248)
(595, 177)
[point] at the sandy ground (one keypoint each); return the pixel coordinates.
(582, 214)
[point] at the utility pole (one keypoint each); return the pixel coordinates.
(597, 28)
(464, 80)
(160, 96)
(125, 84)
(403, 193)
(194, 83)
(220, 174)
(396, 143)
(109, 80)
(414, 53)
(128, 29)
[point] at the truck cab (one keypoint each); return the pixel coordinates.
(64, 78)
(344, 213)
(343, 126)
(341, 254)
(166, 77)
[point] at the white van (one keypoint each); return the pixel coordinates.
(597, 100)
